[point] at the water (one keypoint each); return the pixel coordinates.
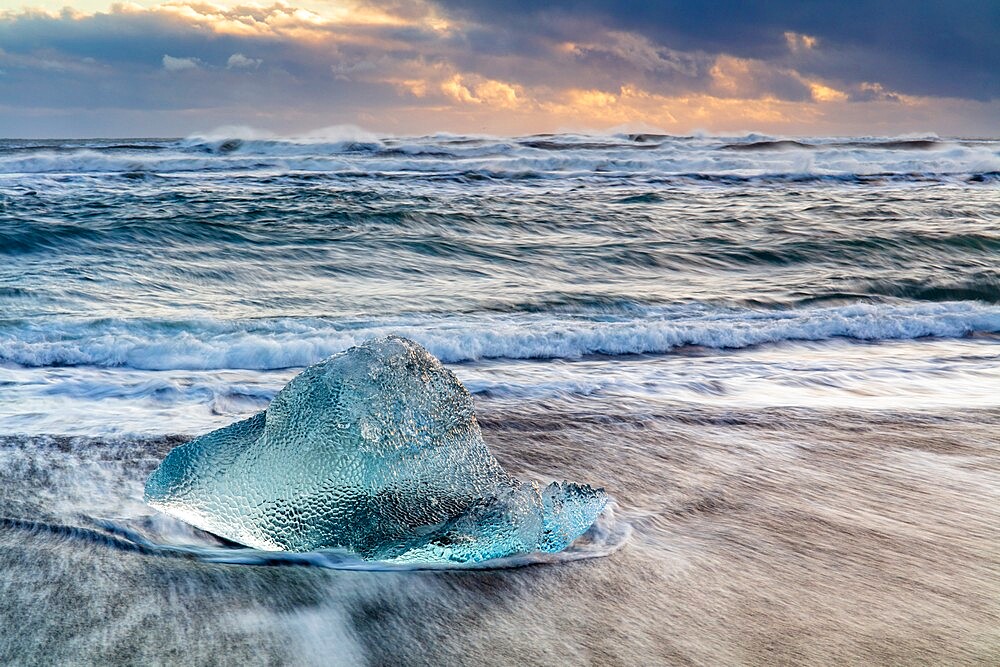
(782, 359)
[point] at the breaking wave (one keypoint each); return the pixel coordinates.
(264, 344)
(342, 151)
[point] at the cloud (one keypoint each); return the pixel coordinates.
(240, 61)
(343, 70)
(639, 52)
(749, 78)
(798, 43)
(172, 64)
(447, 65)
(872, 92)
(822, 93)
(472, 89)
(932, 48)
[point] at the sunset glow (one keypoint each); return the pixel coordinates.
(418, 65)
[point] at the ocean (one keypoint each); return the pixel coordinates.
(780, 357)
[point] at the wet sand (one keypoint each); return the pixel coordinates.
(761, 537)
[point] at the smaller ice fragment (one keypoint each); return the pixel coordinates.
(375, 450)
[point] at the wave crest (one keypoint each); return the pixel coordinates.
(349, 150)
(294, 342)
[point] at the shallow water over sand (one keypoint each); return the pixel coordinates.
(761, 536)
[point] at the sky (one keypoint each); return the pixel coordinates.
(783, 67)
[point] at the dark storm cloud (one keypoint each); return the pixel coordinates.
(919, 47)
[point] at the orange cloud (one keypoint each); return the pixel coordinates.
(632, 105)
(730, 75)
(821, 93)
(281, 19)
(473, 89)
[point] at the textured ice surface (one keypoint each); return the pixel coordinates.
(375, 450)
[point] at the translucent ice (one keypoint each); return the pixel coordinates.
(375, 450)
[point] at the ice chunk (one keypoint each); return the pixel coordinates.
(375, 450)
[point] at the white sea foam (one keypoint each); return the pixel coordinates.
(163, 536)
(352, 150)
(286, 343)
